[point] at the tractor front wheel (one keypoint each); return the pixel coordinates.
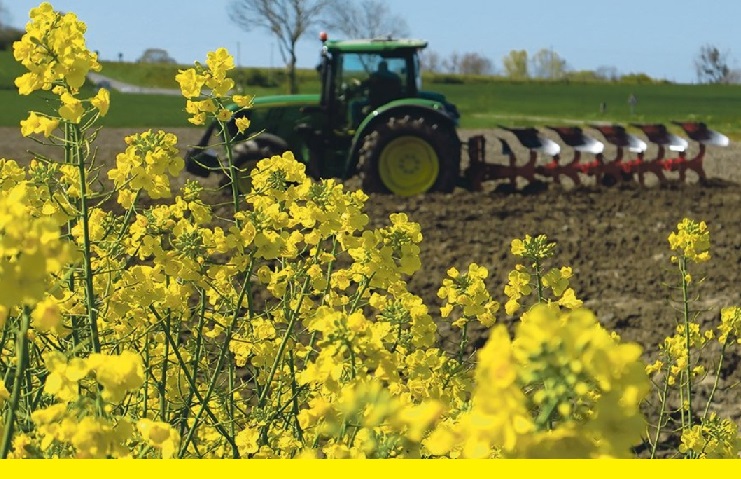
(409, 156)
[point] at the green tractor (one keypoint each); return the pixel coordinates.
(371, 119)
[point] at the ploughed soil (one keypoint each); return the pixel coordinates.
(615, 239)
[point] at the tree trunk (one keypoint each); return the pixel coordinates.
(292, 84)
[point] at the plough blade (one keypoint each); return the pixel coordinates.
(657, 133)
(533, 140)
(700, 133)
(575, 138)
(605, 172)
(616, 135)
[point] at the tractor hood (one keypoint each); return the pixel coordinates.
(285, 100)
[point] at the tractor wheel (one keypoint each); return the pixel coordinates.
(409, 156)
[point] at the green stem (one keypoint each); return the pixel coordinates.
(15, 398)
(294, 393)
(196, 361)
(538, 281)
(163, 377)
(544, 421)
(353, 368)
(146, 383)
(73, 152)
(686, 313)
(230, 399)
(75, 319)
(203, 400)
(245, 291)
(662, 411)
(365, 284)
(464, 342)
(233, 170)
(282, 347)
(717, 380)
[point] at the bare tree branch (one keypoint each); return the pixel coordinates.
(286, 20)
(711, 65)
(365, 19)
(430, 61)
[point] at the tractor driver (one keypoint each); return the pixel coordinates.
(382, 86)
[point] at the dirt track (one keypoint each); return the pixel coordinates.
(615, 239)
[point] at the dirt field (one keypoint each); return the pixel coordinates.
(614, 238)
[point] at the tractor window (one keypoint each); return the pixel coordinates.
(371, 80)
(358, 67)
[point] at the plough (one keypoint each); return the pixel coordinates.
(607, 172)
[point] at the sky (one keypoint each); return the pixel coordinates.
(661, 38)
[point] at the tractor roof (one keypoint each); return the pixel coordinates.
(374, 45)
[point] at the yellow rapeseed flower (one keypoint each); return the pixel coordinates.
(160, 435)
(730, 324)
(118, 374)
(4, 394)
(692, 240)
(36, 123)
(191, 83)
(71, 109)
(47, 316)
(102, 101)
(242, 124)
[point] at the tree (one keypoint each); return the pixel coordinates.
(155, 55)
(365, 19)
(548, 64)
(430, 61)
(734, 76)
(287, 20)
(515, 65)
(452, 64)
(711, 65)
(475, 64)
(456, 63)
(607, 72)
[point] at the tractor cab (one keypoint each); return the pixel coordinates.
(360, 76)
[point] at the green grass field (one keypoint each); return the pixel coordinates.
(483, 103)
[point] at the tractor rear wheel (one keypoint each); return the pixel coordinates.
(408, 156)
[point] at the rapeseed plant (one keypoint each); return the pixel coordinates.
(287, 330)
